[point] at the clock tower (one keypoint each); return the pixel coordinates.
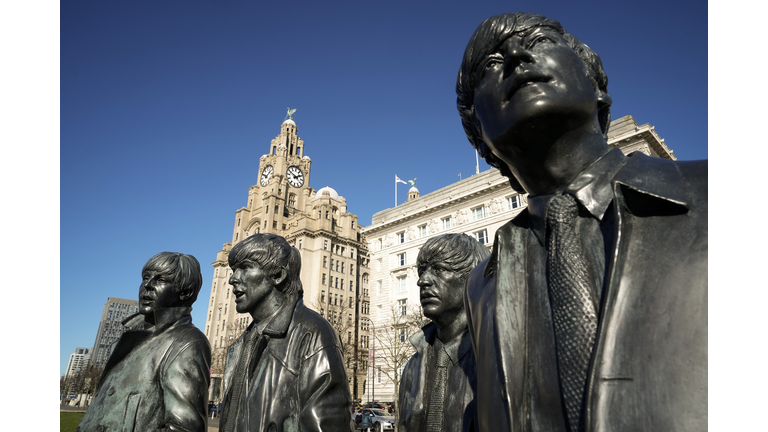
(334, 254)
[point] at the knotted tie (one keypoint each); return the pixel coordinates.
(437, 398)
(573, 304)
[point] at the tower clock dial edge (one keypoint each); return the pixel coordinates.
(266, 175)
(295, 176)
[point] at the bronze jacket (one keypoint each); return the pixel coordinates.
(155, 379)
(298, 383)
(460, 409)
(649, 366)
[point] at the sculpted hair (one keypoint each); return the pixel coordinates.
(184, 271)
(272, 253)
(487, 39)
(459, 253)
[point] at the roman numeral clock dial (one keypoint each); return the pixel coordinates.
(266, 174)
(295, 176)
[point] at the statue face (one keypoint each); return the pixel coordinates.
(441, 292)
(250, 285)
(156, 291)
(533, 83)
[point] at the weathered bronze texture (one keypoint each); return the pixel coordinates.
(158, 374)
(437, 391)
(534, 102)
(286, 372)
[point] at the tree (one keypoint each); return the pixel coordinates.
(393, 347)
(232, 332)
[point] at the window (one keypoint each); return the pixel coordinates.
(325, 262)
(322, 296)
(482, 236)
(342, 284)
(331, 263)
(365, 278)
(401, 237)
(350, 302)
(301, 242)
(423, 231)
(514, 202)
(352, 269)
(349, 321)
(351, 284)
(378, 264)
(325, 244)
(403, 335)
(322, 312)
(401, 259)
(337, 282)
(292, 200)
(352, 251)
(342, 267)
(402, 305)
(380, 242)
(274, 224)
(323, 278)
(401, 282)
(447, 223)
(478, 213)
(238, 221)
(379, 377)
(277, 209)
(378, 287)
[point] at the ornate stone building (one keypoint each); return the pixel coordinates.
(334, 257)
(478, 206)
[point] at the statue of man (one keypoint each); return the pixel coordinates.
(437, 390)
(158, 374)
(591, 312)
(286, 371)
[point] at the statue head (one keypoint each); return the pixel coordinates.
(169, 279)
(518, 50)
(263, 264)
(444, 262)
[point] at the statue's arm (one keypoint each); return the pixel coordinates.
(324, 392)
(185, 387)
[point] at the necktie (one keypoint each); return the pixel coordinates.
(573, 305)
(437, 397)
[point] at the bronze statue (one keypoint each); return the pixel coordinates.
(286, 372)
(158, 374)
(591, 312)
(437, 390)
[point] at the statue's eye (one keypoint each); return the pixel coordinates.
(537, 40)
(490, 63)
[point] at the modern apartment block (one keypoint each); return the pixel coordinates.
(111, 328)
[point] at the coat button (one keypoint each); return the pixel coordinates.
(101, 428)
(111, 391)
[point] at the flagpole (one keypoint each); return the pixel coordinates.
(395, 190)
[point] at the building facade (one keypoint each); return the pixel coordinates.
(334, 256)
(111, 328)
(477, 206)
(78, 361)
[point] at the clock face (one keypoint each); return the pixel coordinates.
(266, 175)
(295, 176)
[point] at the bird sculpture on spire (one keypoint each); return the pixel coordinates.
(412, 182)
(290, 113)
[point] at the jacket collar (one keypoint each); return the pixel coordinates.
(456, 348)
(277, 324)
(164, 318)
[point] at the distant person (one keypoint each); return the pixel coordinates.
(158, 374)
(591, 312)
(437, 390)
(286, 371)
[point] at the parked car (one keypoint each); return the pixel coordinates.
(381, 419)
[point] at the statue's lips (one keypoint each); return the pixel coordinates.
(525, 79)
(146, 302)
(429, 299)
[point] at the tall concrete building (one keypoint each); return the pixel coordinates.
(334, 256)
(111, 328)
(78, 361)
(477, 206)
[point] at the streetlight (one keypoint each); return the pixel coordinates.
(373, 363)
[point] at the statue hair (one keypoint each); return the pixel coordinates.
(183, 270)
(487, 39)
(459, 253)
(272, 253)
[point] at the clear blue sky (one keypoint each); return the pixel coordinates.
(167, 106)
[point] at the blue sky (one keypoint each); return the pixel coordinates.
(167, 106)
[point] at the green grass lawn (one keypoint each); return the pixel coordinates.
(70, 420)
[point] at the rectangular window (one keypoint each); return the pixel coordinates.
(322, 312)
(403, 335)
(401, 283)
(351, 284)
(325, 262)
(378, 287)
(478, 213)
(352, 269)
(322, 296)
(277, 209)
(337, 282)
(423, 231)
(342, 267)
(325, 244)
(352, 252)
(514, 202)
(401, 259)
(378, 264)
(323, 278)
(447, 223)
(342, 284)
(482, 236)
(274, 224)
(379, 378)
(403, 306)
(350, 302)
(401, 237)
(331, 263)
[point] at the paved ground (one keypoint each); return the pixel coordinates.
(213, 424)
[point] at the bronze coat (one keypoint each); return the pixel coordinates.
(299, 382)
(154, 379)
(649, 368)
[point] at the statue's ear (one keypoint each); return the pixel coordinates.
(280, 277)
(185, 295)
(604, 102)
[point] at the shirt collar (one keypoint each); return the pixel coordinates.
(456, 348)
(592, 188)
(164, 318)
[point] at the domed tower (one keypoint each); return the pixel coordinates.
(334, 255)
(413, 193)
